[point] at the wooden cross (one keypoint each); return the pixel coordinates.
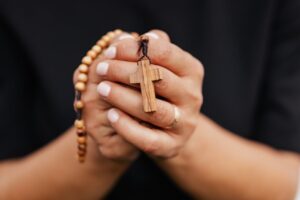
(145, 76)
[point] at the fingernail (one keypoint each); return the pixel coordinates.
(110, 52)
(125, 36)
(102, 68)
(103, 89)
(113, 115)
(153, 35)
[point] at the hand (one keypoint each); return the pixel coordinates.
(111, 145)
(180, 87)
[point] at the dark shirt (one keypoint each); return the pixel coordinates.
(250, 50)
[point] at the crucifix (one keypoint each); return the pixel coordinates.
(145, 75)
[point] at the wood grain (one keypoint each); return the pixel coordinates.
(145, 76)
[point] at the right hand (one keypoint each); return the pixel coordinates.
(95, 112)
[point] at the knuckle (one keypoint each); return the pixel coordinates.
(152, 146)
(108, 152)
(162, 84)
(163, 114)
(161, 33)
(196, 98)
(200, 69)
(114, 153)
(164, 53)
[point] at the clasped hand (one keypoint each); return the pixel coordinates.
(114, 113)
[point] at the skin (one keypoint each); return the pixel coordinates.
(202, 157)
(206, 160)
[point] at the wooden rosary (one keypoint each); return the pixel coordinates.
(80, 86)
(145, 76)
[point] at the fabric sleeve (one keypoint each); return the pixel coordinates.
(279, 117)
(16, 97)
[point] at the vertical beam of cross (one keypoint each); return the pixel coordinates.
(145, 76)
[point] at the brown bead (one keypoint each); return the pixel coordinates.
(79, 124)
(80, 130)
(81, 152)
(80, 86)
(81, 146)
(92, 54)
(97, 49)
(106, 38)
(111, 35)
(81, 133)
(118, 31)
(82, 77)
(81, 159)
(87, 60)
(81, 140)
(83, 68)
(135, 35)
(102, 43)
(79, 104)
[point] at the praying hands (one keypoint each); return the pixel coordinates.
(113, 116)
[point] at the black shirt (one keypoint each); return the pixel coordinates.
(250, 50)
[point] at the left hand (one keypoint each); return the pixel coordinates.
(181, 87)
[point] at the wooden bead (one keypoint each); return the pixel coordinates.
(83, 68)
(80, 130)
(81, 140)
(79, 124)
(80, 86)
(118, 31)
(81, 134)
(102, 43)
(79, 105)
(97, 49)
(87, 60)
(81, 159)
(82, 77)
(111, 35)
(81, 146)
(135, 35)
(81, 152)
(92, 54)
(106, 38)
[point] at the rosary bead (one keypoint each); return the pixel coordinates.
(87, 60)
(79, 124)
(79, 104)
(97, 48)
(81, 134)
(81, 130)
(106, 38)
(83, 68)
(102, 43)
(80, 158)
(81, 146)
(92, 54)
(80, 86)
(82, 77)
(111, 35)
(81, 152)
(135, 35)
(118, 31)
(81, 140)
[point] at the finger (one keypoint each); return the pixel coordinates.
(153, 141)
(131, 102)
(84, 69)
(170, 87)
(161, 52)
(156, 34)
(115, 147)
